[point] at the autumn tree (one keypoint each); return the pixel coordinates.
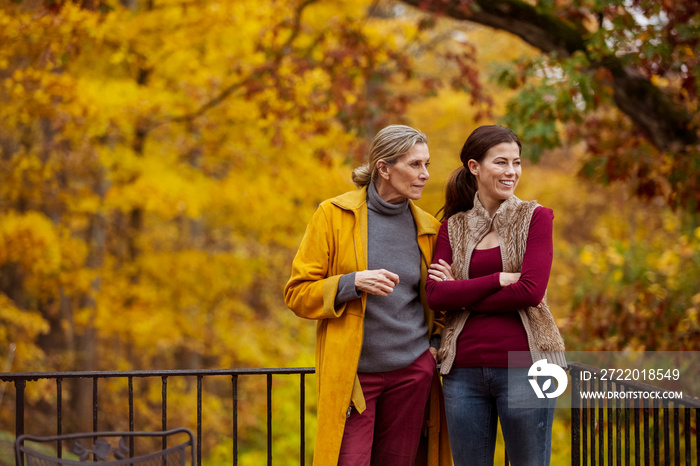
(160, 159)
(614, 88)
(158, 163)
(619, 76)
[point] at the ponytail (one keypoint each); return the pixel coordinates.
(362, 175)
(459, 194)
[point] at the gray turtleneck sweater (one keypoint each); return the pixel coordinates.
(395, 331)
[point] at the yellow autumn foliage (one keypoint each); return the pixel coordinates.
(159, 164)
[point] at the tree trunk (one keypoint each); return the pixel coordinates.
(666, 125)
(86, 342)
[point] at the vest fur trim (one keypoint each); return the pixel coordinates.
(512, 223)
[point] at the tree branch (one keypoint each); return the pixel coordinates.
(230, 89)
(666, 125)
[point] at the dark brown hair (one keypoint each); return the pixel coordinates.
(462, 185)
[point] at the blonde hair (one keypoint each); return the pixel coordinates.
(389, 144)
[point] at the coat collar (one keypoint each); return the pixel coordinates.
(352, 200)
(357, 199)
(480, 221)
(504, 208)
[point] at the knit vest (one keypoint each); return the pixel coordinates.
(512, 223)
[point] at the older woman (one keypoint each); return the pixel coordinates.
(497, 321)
(360, 272)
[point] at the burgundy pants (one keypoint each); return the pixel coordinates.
(388, 431)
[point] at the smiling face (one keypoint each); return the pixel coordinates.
(406, 177)
(497, 175)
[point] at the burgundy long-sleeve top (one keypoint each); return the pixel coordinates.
(494, 327)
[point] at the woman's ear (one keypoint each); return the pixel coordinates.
(383, 169)
(473, 166)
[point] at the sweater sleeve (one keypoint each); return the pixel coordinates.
(456, 294)
(346, 289)
(537, 264)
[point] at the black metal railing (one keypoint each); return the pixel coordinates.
(632, 428)
(602, 432)
(20, 380)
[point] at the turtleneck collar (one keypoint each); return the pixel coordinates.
(379, 205)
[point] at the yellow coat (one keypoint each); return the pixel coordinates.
(335, 244)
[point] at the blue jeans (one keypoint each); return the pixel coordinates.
(476, 398)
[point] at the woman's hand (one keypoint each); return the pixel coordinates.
(508, 278)
(441, 271)
(377, 282)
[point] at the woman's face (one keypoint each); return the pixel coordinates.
(406, 178)
(498, 173)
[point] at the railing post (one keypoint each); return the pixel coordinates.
(637, 435)
(590, 407)
(618, 425)
(584, 425)
(269, 419)
(94, 404)
(302, 420)
(234, 395)
(601, 429)
(19, 412)
(164, 408)
(628, 447)
(59, 415)
(609, 407)
(199, 419)
(645, 412)
(130, 389)
(657, 444)
(697, 431)
(667, 432)
(575, 418)
(164, 403)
